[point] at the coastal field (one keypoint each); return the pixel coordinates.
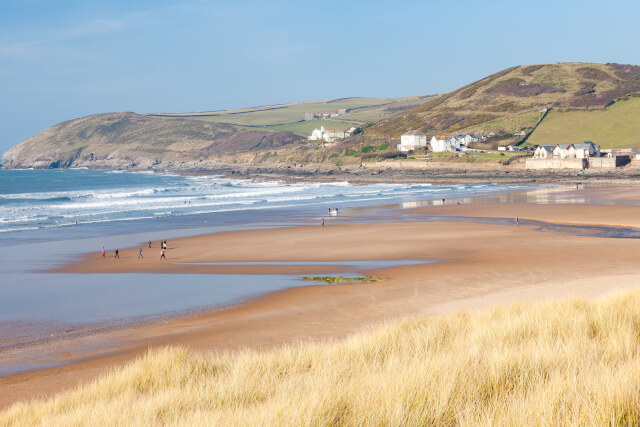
(618, 126)
(437, 341)
(290, 117)
(570, 362)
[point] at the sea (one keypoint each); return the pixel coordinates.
(48, 217)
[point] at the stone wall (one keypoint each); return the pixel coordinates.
(590, 163)
(533, 163)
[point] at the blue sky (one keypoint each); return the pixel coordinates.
(61, 60)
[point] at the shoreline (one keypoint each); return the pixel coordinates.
(480, 266)
(440, 173)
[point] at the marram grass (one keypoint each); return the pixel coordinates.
(568, 362)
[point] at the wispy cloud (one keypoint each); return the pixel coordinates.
(46, 40)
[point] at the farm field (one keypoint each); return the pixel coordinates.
(616, 127)
(290, 117)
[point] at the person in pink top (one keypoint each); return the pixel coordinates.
(162, 254)
(103, 254)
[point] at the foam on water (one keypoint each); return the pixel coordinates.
(56, 198)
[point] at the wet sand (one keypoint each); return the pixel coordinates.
(479, 266)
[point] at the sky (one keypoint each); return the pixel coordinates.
(61, 60)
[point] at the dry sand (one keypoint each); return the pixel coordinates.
(479, 266)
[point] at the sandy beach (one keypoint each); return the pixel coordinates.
(469, 265)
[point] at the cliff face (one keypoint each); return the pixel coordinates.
(128, 140)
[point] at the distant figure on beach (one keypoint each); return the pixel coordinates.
(517, 220)
(329, 211)
(164, 244)
(149, 244)
(117, 254)
(140, 253)
(162, 254)
(323, 222)
(103, 253)
(336, 211)
(443, 201)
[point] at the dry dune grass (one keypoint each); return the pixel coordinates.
(555, 363)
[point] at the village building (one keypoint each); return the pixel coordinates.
(440, 145)
(412, 140)
(587, 149)
(567, 151)
(564, 151)
(543, 152)
(467, 138)
(329, 135)
(586, 155)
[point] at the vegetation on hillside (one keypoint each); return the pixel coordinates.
(510, 100)
(136, 140)
(570, 362)
(291, 117)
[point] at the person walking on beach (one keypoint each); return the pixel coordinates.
(162, 254)
(103, 254)
(323, 222)
(117, 254)
(517, 220)
(140, 254)
(149, 244)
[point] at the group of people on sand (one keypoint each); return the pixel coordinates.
(331, 213)
(163, 248)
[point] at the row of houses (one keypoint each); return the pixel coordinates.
(329, 135)
(415, 139)
(567, 151)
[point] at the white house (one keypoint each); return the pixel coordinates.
(412, 140)
(449, 144)
(543, 151)
(564, 151)
(587, 149)
(576, 151)
(329, 135)
(317, 134)
(467, 138)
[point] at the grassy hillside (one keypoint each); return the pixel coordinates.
(618, 126)
(134, 140)
(290, 117)
(510, 100)
(571, 362)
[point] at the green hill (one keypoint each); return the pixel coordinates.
(511, 100)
